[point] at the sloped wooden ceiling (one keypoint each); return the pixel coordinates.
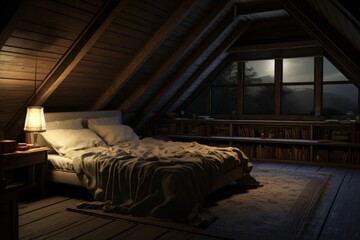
(145, 57)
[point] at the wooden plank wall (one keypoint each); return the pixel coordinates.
(41, 37)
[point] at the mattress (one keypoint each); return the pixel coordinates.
(60, 163)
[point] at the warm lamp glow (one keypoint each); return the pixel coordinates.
(35, 119)
(35, 122)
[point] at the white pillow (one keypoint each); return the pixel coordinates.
(113, 134)
(65, 140)
(76, 123)
(91, 122)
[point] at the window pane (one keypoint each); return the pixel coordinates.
(259, 100)
(229, 77)
(340, 99)
(298, 70)
(257, 72)
(297, 99)
(201, 106)
(331, 73)
(223, 100)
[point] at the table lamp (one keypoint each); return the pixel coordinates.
(35, 122)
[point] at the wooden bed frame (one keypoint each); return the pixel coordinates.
(71, 178)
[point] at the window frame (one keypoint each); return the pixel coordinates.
(274, 54)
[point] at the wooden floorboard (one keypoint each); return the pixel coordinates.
(343, 221)
(51, 224)
(47, 210)
(108, 231)
(314, 228)
(336, 217)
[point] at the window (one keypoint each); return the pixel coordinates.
(340, 97)
(259, 85)
(297, 95)
(224, 89)
(201, 104)
(282, 88)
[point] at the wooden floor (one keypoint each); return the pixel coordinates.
(337, 216)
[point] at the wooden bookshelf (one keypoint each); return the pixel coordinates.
(298, 141)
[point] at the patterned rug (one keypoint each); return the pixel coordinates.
(278, 210)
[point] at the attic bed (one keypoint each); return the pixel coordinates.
(161, 179)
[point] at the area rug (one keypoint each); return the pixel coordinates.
(280, 209)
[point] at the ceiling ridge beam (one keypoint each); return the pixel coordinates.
(220, 50)
(180, 51)
(339, 49)
(108, 12)
(144, 53)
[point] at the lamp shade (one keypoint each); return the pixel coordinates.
(35, 119)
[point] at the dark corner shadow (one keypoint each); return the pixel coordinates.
(225, 193)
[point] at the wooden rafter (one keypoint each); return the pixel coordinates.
(203, 48)
(224, 28)
(190, 39)
(143, 54)
(221, 50)
(197, 92)
(346, 57)
(109, 11)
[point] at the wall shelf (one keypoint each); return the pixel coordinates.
(299, 141)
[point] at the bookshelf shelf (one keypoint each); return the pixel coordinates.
(313, 142)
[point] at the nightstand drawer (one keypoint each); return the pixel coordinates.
(26, 159)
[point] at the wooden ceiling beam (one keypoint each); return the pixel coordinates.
(199, 90)
(191, 59)
(108, 12)
(274, 46)
(337, 47)
(144, 53)
(224, 28)
(182, 49)
(220, 50)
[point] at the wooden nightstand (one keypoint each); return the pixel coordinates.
(9, 211)
(33, 159)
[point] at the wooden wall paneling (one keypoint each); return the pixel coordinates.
(39, 37)
(31, 52)
(91, 6)
(341, 19)
(11, 13)
(15, 85)
(71, 13)
(34, 27)
(35, 45)
(56, 21)
(345, 55)
(144, 53)
(85, 41)
(220, 50)
(180, 50)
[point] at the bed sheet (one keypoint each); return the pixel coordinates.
(164, 180)
(60, 163)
